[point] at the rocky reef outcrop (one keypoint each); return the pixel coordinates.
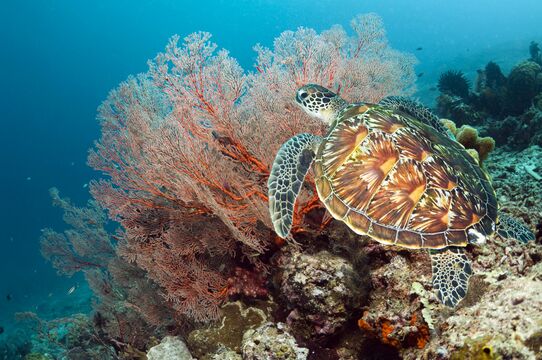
(320, 290)
(272, 341)
(524, 83)
(171, 348)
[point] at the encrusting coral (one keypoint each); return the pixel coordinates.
(237, 319)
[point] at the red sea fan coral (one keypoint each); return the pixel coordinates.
(86, 246)
(127, 302)
(188, 145)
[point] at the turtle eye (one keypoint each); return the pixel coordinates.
(301, 96)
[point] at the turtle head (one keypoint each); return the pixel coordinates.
(320, 102)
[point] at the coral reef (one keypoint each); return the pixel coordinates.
(512, 306)
(247, 283)
(225, 354)
(187, 148)
(271, 341)
(517, 132)
(15, 346)
(170, 348)
(500, 316)
(320, 290)
(454, 99)
(393, 315)
(516, 177)
(454, 107)
(506, 108)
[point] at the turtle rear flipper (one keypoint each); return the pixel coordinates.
(291, 164)
(451, 273)
(510, 227)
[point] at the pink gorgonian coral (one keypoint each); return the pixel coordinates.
(187, 148)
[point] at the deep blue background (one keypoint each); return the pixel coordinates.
(58, 60)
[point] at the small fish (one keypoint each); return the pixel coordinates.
(1, 329)
(85, 185)
(420, 75)
(419, 48)
(9, 297)
(71, 290)
(28, 178)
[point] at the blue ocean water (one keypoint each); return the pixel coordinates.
(59, 59)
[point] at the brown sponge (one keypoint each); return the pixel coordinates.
(468, 137)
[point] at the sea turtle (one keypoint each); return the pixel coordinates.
(393, 172)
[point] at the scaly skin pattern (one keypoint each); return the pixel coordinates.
(451, 273)
(291, 164)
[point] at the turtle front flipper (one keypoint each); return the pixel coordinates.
(287, 174)
(451, 273)
(509, 227)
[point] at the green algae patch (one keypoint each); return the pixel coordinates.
(476, 349)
